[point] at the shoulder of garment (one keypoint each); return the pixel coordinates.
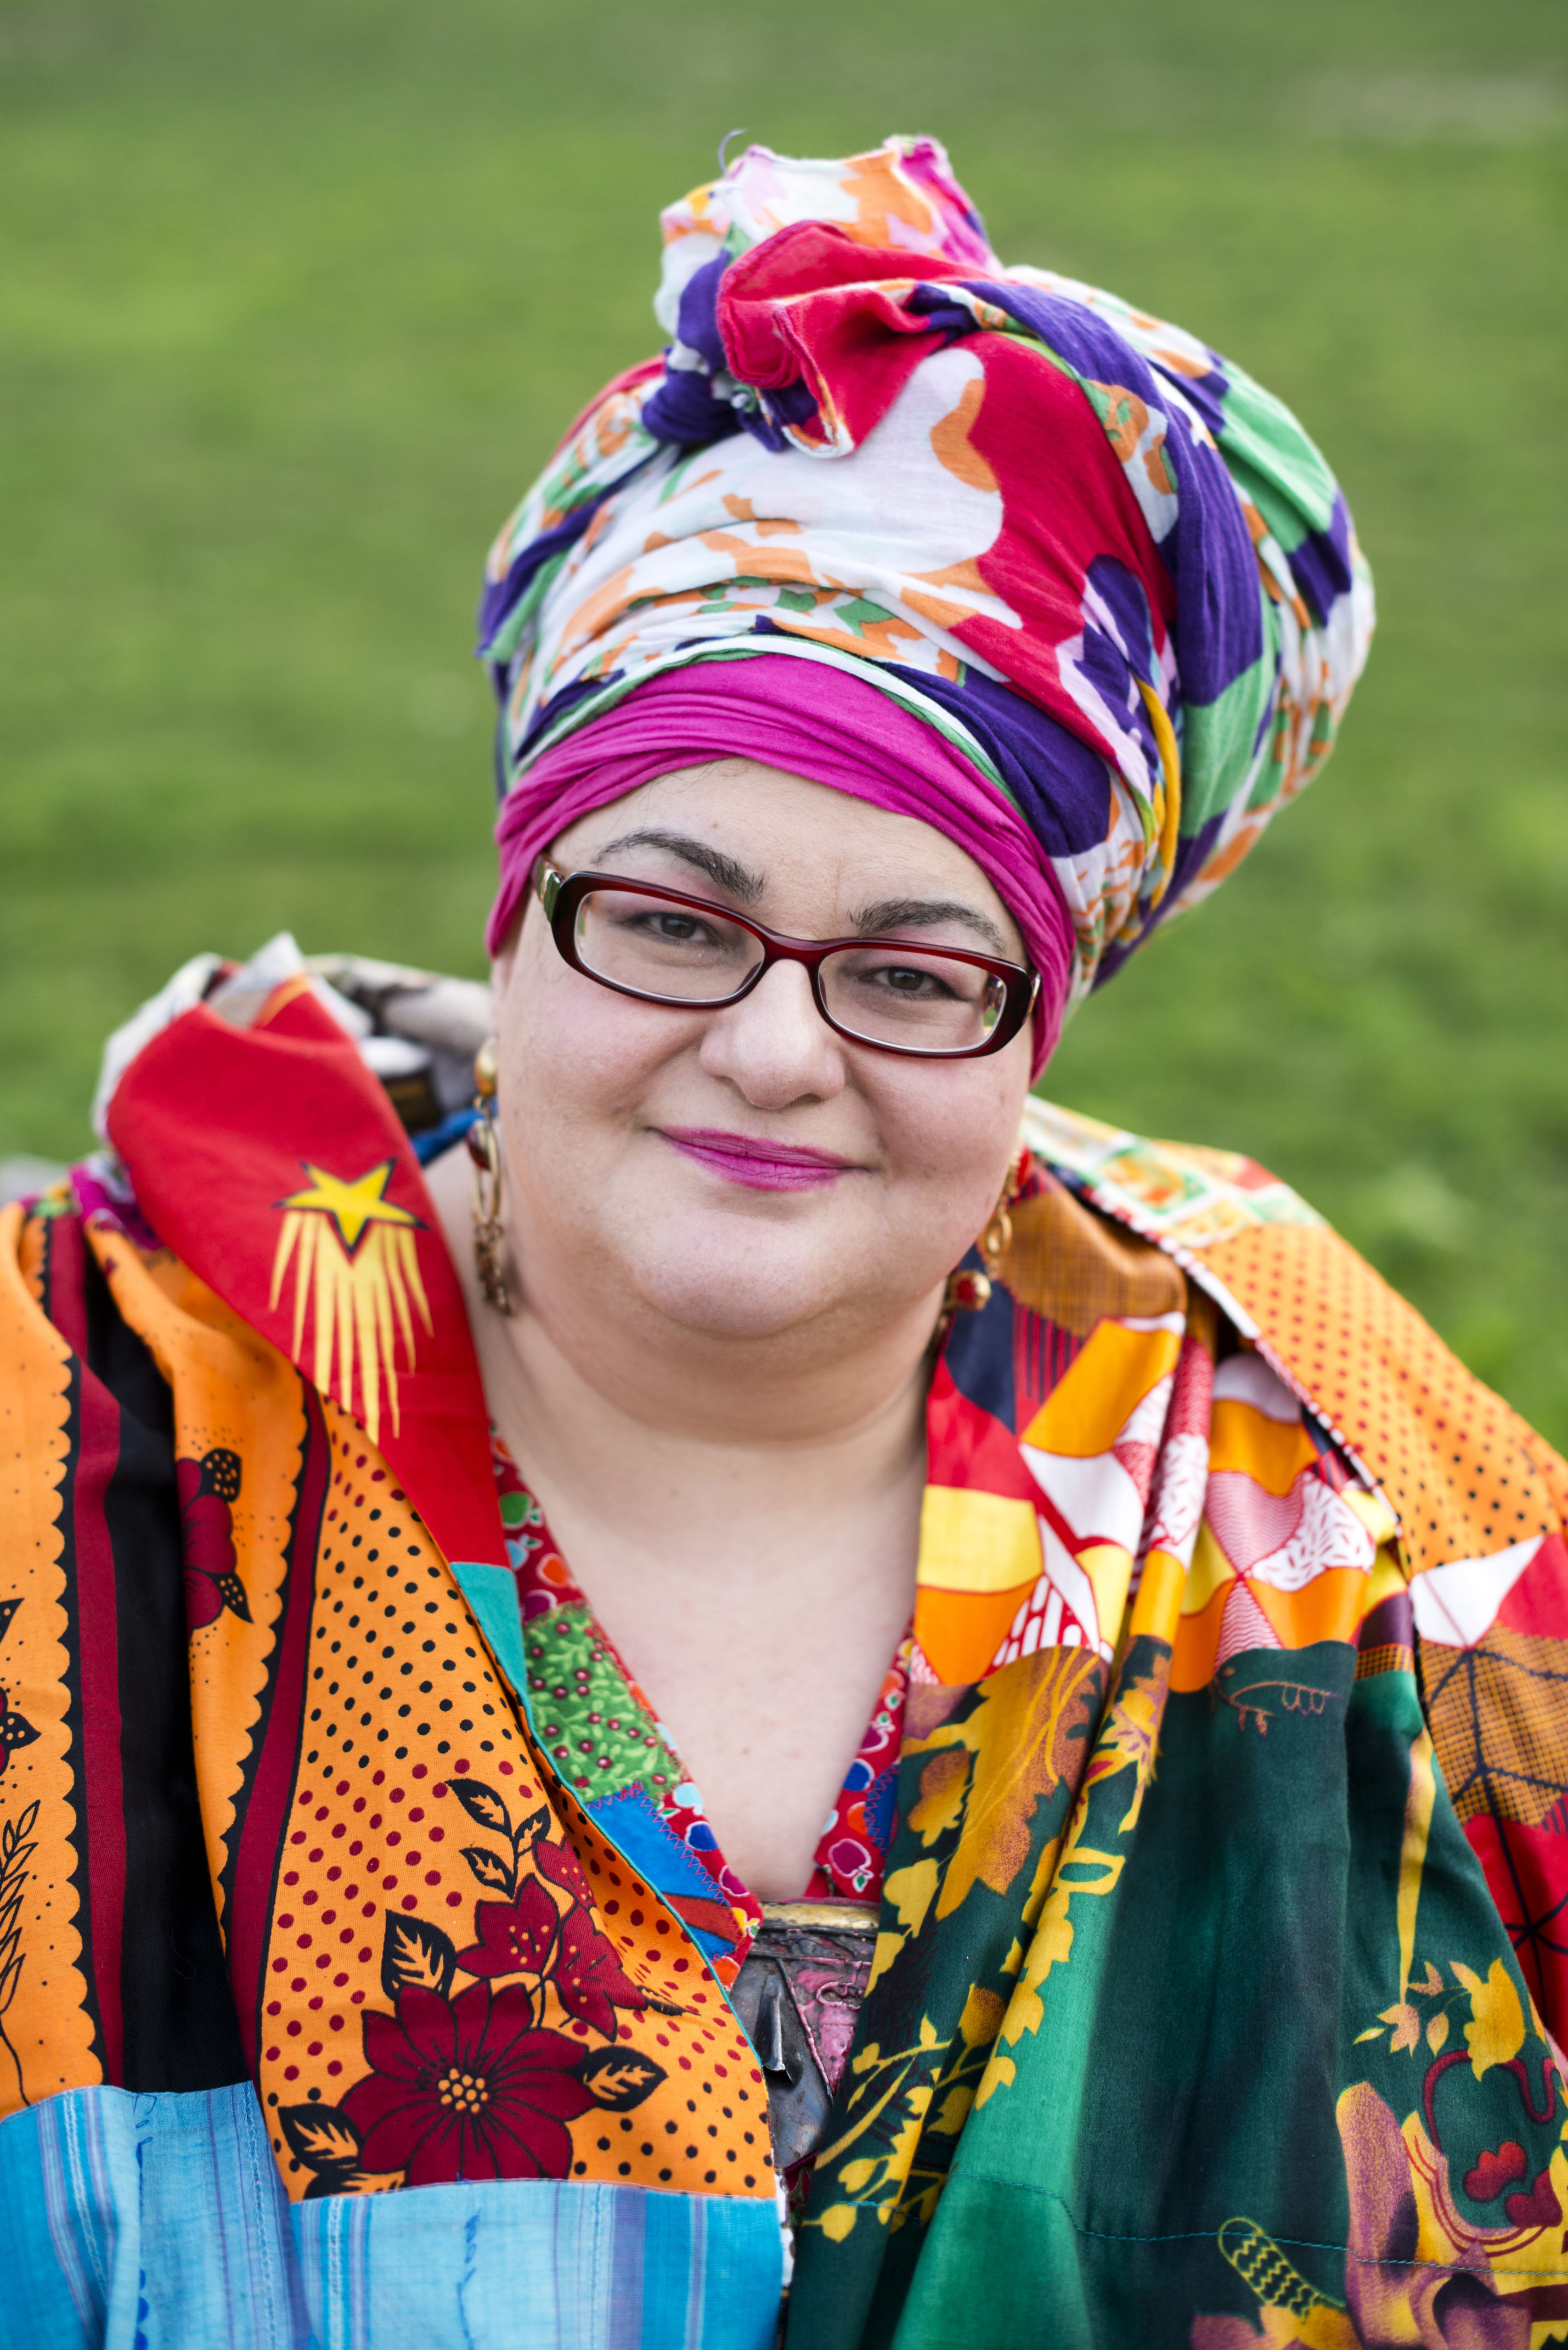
(1466, 1479)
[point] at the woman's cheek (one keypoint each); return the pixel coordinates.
(564, 1039)
(959, 1140)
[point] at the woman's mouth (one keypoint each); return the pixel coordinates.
(760, 1166)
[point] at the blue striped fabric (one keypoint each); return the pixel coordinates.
(142, 2222)
(547, 2264)
(159, 2222)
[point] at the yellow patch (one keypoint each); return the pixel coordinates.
(1020, 1735)
(886, 1950)
(999, 2073)
(1388, 1577)
(1109, 1569)
(953, 2112)
(977, 1542)
(910, 1890)
(351, 1206)
(1167, 794)
(1496, 2033)
(1092, 1403)
(1157, 1606)
(944, 1783)
(981, 2018)
(1209, 1570)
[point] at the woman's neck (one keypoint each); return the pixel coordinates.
(636, 1450)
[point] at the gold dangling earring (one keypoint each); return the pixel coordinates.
(968, 1291)
(484, 1149)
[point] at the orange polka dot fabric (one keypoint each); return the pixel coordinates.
(463, 1978)
(1461, 1470)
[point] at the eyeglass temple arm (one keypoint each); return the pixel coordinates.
(548, 883)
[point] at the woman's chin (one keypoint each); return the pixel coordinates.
(747, 1277)
(758, 1298)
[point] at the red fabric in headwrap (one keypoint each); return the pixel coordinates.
(809, 719)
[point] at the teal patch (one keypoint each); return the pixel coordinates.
(492, 1593)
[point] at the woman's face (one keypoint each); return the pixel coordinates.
(626, 1126)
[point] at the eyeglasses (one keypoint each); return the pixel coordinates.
(897, 996)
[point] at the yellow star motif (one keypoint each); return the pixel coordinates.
(351, 1206)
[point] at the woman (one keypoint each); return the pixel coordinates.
(1007, 1715)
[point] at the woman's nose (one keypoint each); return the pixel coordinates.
(775, 1045)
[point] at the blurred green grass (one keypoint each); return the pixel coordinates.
(293, 302)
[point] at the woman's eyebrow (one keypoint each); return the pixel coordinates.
(737, 879)
(925, 913)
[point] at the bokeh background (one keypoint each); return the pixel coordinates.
(294, 300)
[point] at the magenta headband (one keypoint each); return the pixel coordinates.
(811, 720)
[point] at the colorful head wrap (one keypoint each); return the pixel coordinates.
(1079, 549)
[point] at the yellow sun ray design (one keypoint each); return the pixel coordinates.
(357, 1271)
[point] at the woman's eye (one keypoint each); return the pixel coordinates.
(667, 927)
(902, 981)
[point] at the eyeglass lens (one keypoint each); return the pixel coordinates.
(918, 998)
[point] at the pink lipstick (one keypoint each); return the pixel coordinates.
(760, 1166)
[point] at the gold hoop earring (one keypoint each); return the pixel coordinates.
(968, 1291)
(484, 1149)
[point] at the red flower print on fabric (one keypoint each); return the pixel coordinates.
(855, 1840)
(466, 2088)
(589, 1982)
(478, 2087)
(515, 1938)
(207, 1488)
(529, 1936)
(563, 1868)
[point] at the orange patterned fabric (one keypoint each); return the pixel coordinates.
(46, 2028)
(1465, 1474)
(1463, 1471)
(439, 1967)
(381, 1867)
(1077, 1268)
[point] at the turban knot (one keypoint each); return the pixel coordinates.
(1090, 563)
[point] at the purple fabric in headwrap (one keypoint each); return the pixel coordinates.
(809, 719)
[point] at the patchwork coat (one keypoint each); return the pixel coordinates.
(1218, 1961)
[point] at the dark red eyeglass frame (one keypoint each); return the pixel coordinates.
(561, 894)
